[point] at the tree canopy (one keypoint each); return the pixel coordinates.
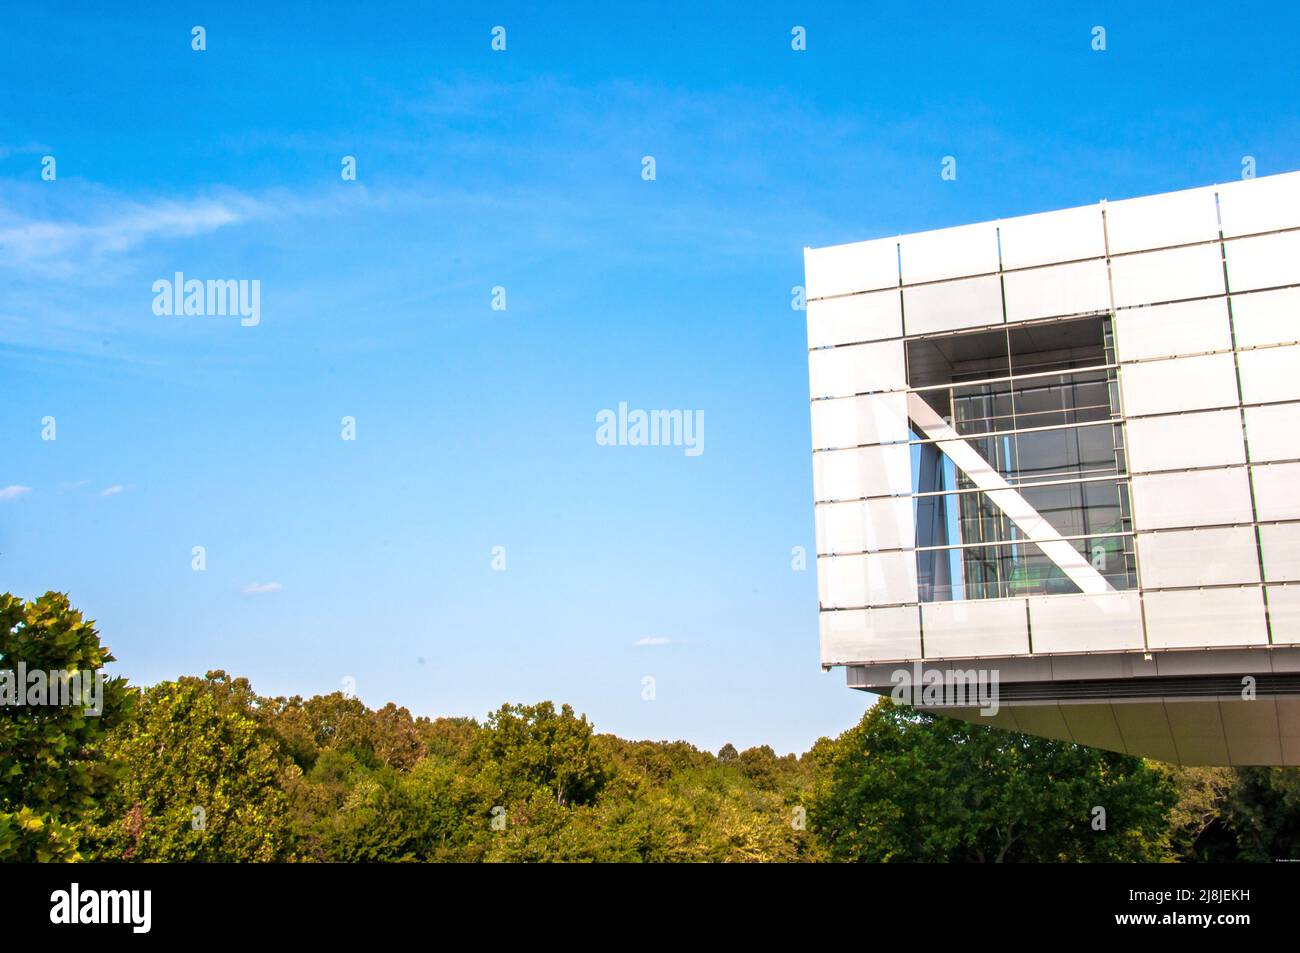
(204, 769)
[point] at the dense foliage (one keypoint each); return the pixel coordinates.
(205, 769)
(52, 764)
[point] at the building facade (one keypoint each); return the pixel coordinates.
(1065, 448)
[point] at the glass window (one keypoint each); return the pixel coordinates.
(1044, 414)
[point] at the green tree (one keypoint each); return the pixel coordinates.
(906, 785)
(53, 764)
(1199, 831)
(204, 780)
(1262, 811)
(525, 747)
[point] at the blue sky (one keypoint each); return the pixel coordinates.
(476, 428)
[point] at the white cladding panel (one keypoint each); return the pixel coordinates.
(1078, 288)
(1270, 374)
(1260, 205)
(1207, 439)
(1158, 221)
(1170, 275)
(979, 627)
(1071, 234)
(951, 305)
(1264, 261)
(1284, 614)
(949, 253)
(855, 421)
(1191, 618)
(1168, 330)
(1177, 384)
(1277, 490)
(1280, 544)
(864, 525)
(870, 635)
(1196, 497)
(1266, 317)
(1107, 622)
(856, 369)
(1272, 431)
(846, 269)
(869, 579)
(872, 316)
(1198, 557)
(852, 474)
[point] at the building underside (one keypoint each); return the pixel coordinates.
(1192, 708)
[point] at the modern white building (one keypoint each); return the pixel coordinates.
(1066, 448)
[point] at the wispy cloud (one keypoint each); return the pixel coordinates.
(62, 244)
(113, 490)
(653, 640)
(13, 492)
(258, 588)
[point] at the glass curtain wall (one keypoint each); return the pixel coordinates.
(1039, 403)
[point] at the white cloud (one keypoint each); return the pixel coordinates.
(258, 588)
(652, 640)
(113, 227)
(13, 492)
(113, 490)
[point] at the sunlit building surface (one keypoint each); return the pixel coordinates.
(1066, 448)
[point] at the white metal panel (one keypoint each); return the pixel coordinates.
(1196, 618)
(1260, 205)
(949, 305)
(872, 471)
(1266, 261)
(1157, 221)
(1177, 384)
(1277, 490)
(1284, 613)
(1199, 497)
(1198, 557)
(1166, 330)
(1266, 317)
(864, 525)
(1206, 439)
(1281, 545)
(1067, 235)
(845, 269)
(861, 317)
(1170, 275)
(856, 369)
(855, 421)
(870, 635)
(1273, 432)
(1079, 288)
(1101, 622)
(870, 579)
(949, 253)
(980, 627)
(1270, 374)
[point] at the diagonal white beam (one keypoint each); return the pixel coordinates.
(1009, 500)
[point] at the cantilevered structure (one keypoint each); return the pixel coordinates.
(1066, 448)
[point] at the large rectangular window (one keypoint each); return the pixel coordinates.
(1022, 487)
